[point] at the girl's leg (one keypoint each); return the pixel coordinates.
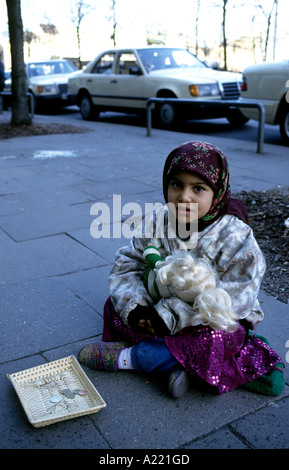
(149, 356)
(152, 356)
(109, 332)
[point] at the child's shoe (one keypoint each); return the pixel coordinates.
(178, 383)
(101, 355)
(271, 383)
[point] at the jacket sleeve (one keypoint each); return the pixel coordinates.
(126, 285)
(241, 266)
(177, 314)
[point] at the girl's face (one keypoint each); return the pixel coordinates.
(185, 190)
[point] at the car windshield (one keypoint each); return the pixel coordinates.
(165, 58)
(50, 68)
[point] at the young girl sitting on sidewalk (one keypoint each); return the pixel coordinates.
(164, 336)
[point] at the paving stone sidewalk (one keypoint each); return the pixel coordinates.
(54, 284)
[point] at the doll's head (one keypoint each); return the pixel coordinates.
(187, 276)
(195, 281)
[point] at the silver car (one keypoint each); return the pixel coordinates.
(47, 81)
(268, 84)
(123, 79)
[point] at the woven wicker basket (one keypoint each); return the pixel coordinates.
(37, 386)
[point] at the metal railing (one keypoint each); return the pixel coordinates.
(226, 103)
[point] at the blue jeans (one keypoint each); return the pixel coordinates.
(152, 355)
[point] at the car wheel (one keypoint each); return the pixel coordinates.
(237, 118)
(87, 109)
(284, 126)
(166, 115)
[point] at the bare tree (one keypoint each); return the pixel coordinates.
(20, 112)
(268, 16)
(275, 29)
(112, 18)
(225, 2)
(78, 11)
(197, 27)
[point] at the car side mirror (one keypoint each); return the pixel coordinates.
(135, 70)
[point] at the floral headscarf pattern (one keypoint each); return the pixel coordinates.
(211, 164)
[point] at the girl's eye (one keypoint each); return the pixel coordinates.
(176, 184)
(198, 188)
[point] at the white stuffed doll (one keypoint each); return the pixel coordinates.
(192, 280)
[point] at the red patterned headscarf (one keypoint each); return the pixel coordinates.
(211, 165)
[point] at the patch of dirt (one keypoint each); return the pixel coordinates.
(7, 131)
(268, 211)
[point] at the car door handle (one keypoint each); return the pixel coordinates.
(113, 81)
(89, 80)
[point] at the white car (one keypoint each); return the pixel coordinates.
(123, 80)
(47, 81)
(268, 83)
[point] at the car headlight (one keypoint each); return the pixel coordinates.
(53, 88)
(204, 90)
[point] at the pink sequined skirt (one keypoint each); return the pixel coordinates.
(225, 361)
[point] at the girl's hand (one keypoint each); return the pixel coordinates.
(147, 320)
(146, 325)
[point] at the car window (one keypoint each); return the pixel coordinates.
(183, 58)
(35, 70)
(50, 68)
(66, 67)
(158, 58)
(125, 63)
(104, 64)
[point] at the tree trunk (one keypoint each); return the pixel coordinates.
(197, 28)
(79, 47)
(224, 33)
(20, 112)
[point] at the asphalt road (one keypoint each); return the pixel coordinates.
(211, 127)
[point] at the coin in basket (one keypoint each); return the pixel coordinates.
(55, 399)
